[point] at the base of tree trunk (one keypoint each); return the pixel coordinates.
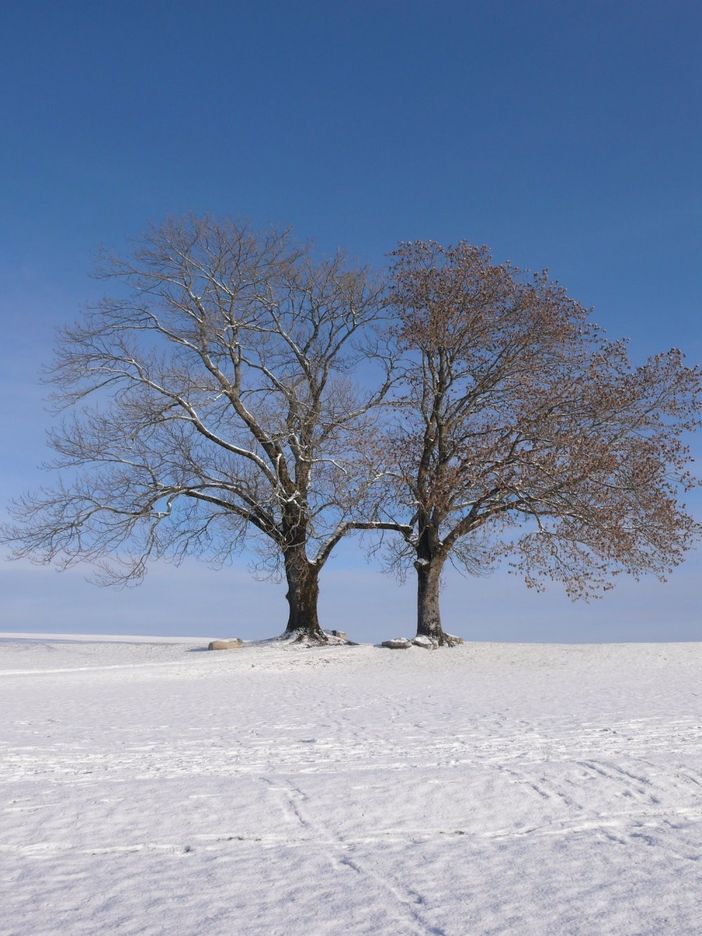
(449, 640)
(316, 638)
(441, 639)
(423, 641)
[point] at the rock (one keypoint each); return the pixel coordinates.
(232, 644)
(425, 642)
(337, 638)
(397, 643)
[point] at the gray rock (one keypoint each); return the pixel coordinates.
(397, 643)
(232, 644)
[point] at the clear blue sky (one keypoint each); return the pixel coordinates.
(563, 134)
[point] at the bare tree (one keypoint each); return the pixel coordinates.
(523, 431)
(213, 399)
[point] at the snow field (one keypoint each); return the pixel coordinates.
(488, 789)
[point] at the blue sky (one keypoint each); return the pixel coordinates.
(564, 135)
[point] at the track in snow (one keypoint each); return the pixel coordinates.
(146, 788)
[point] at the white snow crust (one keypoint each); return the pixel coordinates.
(149, 788)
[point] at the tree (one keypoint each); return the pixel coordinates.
(523, 431)
(213, 399)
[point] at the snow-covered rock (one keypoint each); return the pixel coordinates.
(426, 643)
(233, 644)
(397, 643)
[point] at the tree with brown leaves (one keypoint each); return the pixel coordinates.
(523, 431)
(214, 400)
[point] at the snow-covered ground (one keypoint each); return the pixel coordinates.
(152, 788)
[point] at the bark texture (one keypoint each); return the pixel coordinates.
(302, 597)
(429, 565)
(428, 607)
(429, 604)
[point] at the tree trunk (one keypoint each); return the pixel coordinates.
(428, 609)
(302, 595)
(428, 604)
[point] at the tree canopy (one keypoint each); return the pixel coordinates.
(224, 390)
(524, 431)
(213, 397)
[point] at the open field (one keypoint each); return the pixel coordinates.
(495, 788)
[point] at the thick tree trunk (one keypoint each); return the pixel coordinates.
(302, 595)
(428, 608)
(428, 600)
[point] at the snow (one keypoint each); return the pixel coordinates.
(148, 787)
